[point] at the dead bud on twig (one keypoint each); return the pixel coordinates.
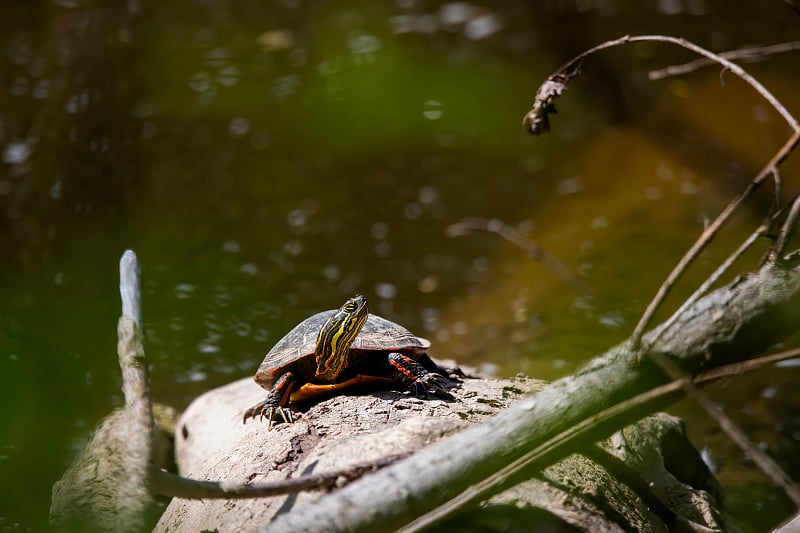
(537, 121)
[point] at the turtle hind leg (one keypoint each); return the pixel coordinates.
(418, 379)
(276, 402)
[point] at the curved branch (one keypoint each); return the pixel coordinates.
(567, 72)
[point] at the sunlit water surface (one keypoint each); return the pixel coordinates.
(267, 160)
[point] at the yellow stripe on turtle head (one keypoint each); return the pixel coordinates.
(336, 337)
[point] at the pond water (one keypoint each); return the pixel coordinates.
(267, 160)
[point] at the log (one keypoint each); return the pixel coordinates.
(108, 487)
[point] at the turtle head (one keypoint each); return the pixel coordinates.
(337, 335)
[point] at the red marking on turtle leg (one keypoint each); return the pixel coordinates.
(282, 390)
(407, 368)
(419, 380)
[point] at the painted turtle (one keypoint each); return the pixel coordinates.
(336, 349)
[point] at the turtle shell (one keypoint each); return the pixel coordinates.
(295, 351)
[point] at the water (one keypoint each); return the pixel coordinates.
(268, 160)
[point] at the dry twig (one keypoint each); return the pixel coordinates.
(181, 487)
(760, 231)
(746, 53)
(786, 230)
(708, 235)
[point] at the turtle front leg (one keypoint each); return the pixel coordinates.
(276, 402)
(418, 379)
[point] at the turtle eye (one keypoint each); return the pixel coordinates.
(350, 306)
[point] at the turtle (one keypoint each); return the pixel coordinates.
(336, 349)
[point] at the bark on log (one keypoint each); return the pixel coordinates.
(732, 323)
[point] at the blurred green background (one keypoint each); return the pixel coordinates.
(267, 159)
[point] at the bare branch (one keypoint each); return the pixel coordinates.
(556, 84)
(181, 487)
(786, 230)
(708, 235)
(746, 53)
(718, 273)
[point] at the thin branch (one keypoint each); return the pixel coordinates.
(170, 484)
(786, 231)
(511, 474)
(745, 53)
(708, 235)
(716, 275)
(530, 246)
(735, 369)
(555, 85)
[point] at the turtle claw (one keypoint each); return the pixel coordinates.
(253, 411)
(269, 411)
(434, 384)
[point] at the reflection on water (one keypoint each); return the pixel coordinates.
(266, 161)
